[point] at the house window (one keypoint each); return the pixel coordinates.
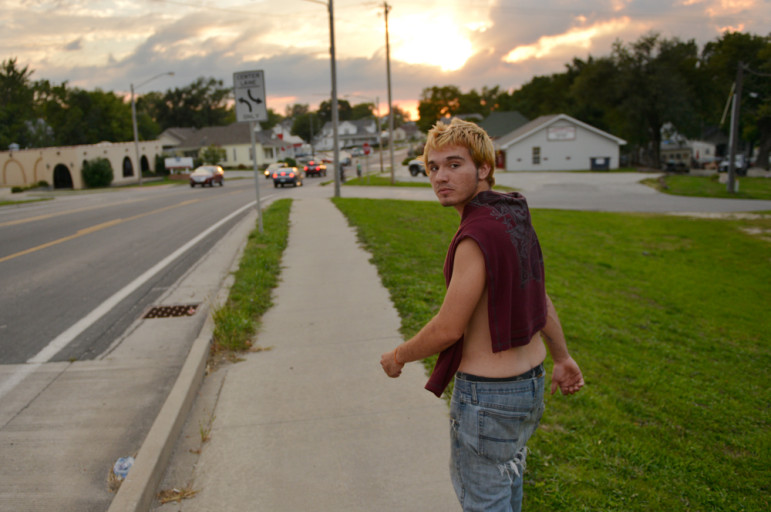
(235, 155)
(536, 155)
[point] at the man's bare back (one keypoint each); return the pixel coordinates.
(478, 357)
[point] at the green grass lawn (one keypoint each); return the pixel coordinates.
(709, 186)
(669, 318)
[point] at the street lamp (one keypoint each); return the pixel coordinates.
(134, 120)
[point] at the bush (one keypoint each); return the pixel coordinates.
(97, 173)
(160, 166)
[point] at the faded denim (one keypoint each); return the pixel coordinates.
(490, 424)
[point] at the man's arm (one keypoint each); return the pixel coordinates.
(566, 374)
(449, 324)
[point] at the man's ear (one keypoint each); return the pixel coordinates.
(484, 172)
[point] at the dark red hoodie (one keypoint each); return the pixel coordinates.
(516, 296)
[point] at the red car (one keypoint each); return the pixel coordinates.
(315, 168)
(207, 175)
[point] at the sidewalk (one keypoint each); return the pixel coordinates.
(313, 423)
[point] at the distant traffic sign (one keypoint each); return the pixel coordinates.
(366, 148)
(249, 92)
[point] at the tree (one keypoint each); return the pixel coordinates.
(436, 103)
(213, 155)
(658, 82)
(17, 105)
(363, 111)
(721, 59)
(295, 110)
(344, 110)
(202, 103)
(307, 126)
(273, 119)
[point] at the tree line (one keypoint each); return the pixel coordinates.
(633, 93)
(637, 91)
(37, 113)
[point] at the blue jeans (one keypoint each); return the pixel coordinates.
(491, 421)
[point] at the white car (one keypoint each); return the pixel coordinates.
(740, 165)
(417, 167)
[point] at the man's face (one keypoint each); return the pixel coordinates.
(455, 178)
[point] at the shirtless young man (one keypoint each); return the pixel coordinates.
(491, 324)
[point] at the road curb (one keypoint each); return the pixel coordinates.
(137, 491)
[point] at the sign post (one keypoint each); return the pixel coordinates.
(367, 151)
(249, 92)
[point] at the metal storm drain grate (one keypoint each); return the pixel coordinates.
(172, 311)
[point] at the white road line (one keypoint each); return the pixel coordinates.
(65, 338)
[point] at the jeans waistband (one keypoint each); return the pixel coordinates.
(530, 374)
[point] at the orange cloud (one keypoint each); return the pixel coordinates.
(577, 37)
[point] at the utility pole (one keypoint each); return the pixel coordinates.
(335, 113)
(391, 141)
(734, 136)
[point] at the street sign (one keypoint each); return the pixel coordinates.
(366, 147)
(249, 92)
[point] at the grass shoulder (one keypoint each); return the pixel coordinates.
(710, 186)
(250, 296)
(24, 201)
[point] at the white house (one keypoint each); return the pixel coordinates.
(558, 143)
(349, 134)
(236, 142)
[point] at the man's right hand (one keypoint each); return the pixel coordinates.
(567, 376)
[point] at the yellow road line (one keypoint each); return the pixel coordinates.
(76, 210)
(94, 229)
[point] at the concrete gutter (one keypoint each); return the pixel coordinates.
(137, 491)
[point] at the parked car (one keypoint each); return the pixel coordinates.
(357, 151)
(740, 165)
(417, 167)
(287, 175)
(272, 167)
(315, 168)
(207, 175)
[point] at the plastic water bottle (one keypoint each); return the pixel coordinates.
(122, 466)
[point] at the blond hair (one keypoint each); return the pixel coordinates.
(467, 135)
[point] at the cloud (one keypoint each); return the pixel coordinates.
(567, 42)
(109, 44)
(75, 45)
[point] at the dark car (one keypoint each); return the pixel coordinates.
(207, 175)
(287, 176)
(315, 168)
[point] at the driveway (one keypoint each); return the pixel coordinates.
(613, 192)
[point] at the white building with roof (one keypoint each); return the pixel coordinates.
(558, 143)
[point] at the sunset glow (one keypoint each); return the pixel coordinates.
(578, 37)
(414, 44)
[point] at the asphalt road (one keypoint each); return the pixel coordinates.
(83, 375)
(61, 260)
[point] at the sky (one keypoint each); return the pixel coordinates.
(471, 44)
